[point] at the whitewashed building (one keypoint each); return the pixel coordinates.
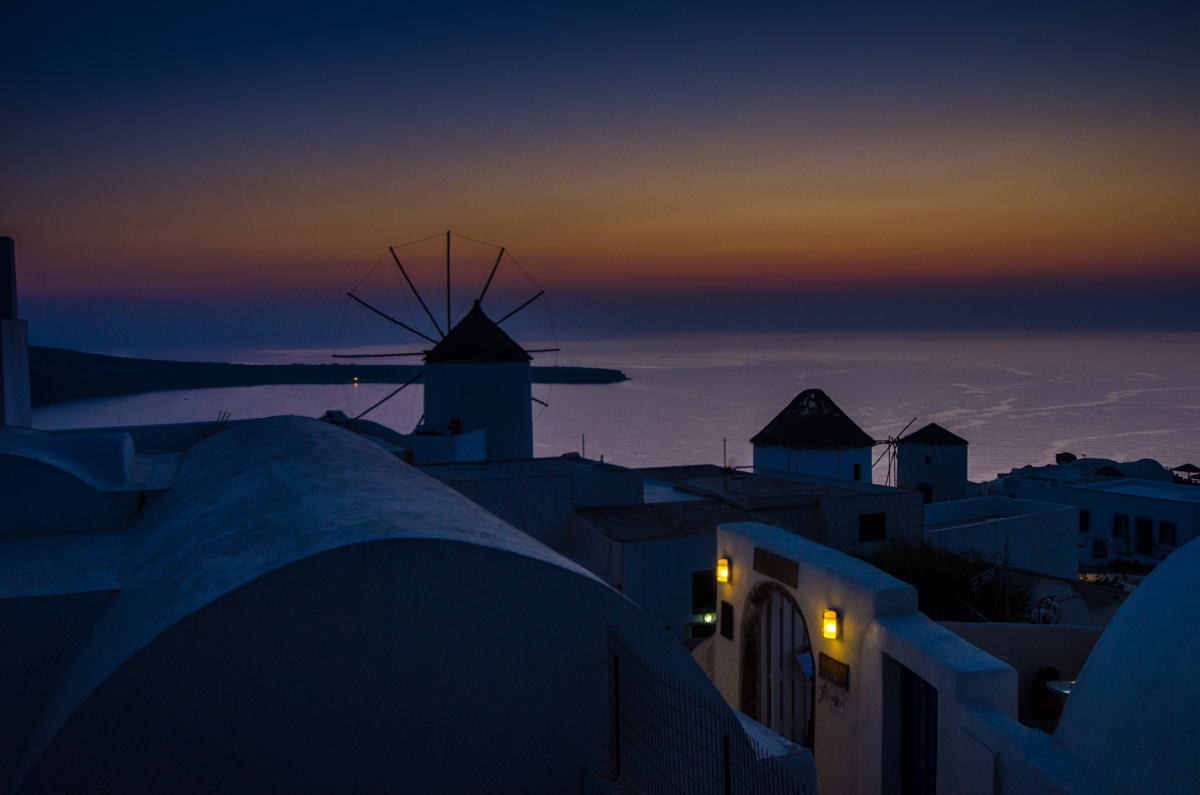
(1125, 508)
(933, 461)
(1138, 517)
(1034, 536)
(813, 436)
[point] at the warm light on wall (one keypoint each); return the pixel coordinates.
(723, 570)
(829, 627)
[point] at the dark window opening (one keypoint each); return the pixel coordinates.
(1145, 536)
(1121, 527)
(928, 460)
(926, 490)
(704, 592)
(858, 471)
(872, 527)
(1085, 521)
(1166, 533)
(727, 620)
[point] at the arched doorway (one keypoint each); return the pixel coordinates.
(776, 690)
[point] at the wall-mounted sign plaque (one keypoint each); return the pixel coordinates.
(775, 567)
(835, 672)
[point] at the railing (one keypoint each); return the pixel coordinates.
(665, 738)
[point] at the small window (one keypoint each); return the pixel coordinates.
(872, 527)
(858, 472)
(1121, 527)
(727, 620)
(928, 460)
(1085, 521)
(1166, 533)
(704, 592)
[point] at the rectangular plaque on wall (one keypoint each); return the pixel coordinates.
(835, 672)
(777, 568)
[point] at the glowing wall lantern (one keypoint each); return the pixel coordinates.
(709, 618)
(829, 626)
(723, 570)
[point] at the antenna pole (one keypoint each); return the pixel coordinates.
(447, 280)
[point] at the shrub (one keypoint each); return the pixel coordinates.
(954, 586)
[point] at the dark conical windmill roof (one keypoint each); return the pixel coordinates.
(476, 339)
(934, 435)
(812, 421)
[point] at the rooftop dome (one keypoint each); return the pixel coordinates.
(1132, 713)
(476, 339)
(812, 421)
(934, 435)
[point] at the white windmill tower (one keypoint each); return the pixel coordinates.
(475, 375)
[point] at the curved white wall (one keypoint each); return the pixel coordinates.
(1132, 715)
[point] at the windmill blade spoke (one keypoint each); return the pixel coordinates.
(492, 275)
(519, 308)
(413, 287)
(375, 355)
(543, 350)
(881, 455)
(535, 400)
(394, 320)
(906, 427)
(392, 395)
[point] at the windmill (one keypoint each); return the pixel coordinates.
(889, 450)
(476, 376)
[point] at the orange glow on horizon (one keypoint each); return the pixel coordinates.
(937, 201)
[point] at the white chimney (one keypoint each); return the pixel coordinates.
(14, 345)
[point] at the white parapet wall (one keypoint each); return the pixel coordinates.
(1036, 536)
(877, 621)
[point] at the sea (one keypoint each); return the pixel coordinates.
(1018, 398)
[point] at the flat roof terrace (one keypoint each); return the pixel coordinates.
(1155, 490)
(523, 468)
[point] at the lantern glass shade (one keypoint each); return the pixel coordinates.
(723, 570)
(829, 625)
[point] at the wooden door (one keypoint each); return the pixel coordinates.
(786, 692)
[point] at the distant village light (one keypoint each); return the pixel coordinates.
(723, 570)
(830, 624)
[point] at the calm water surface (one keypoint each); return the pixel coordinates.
(1018, 398)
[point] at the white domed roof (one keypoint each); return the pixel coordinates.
(1133, 715)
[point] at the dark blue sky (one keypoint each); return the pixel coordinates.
(682, 166)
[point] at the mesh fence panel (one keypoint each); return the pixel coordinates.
(665, 738)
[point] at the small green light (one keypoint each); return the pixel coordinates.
(709, 618)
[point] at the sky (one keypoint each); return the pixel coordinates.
(180, 174)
